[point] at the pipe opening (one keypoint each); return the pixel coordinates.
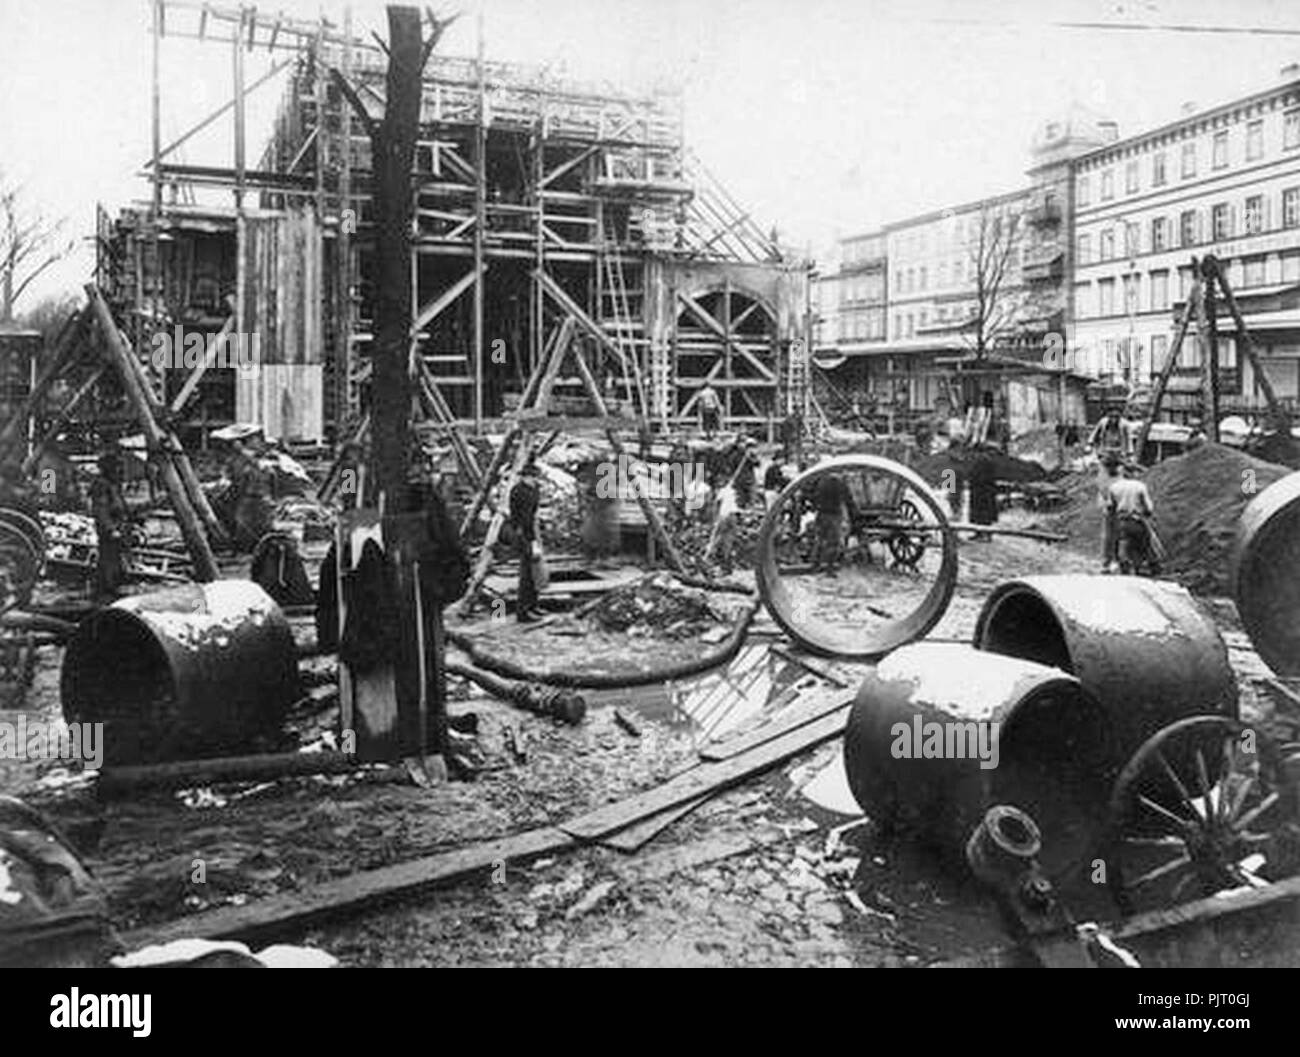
(118, 673)
(1022, 624)
(1012, 831)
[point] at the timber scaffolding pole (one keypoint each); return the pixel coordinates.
(1202, 306)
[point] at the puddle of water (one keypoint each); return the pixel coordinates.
(830, 788)
(716, 702)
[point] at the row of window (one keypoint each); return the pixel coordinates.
(963, 269)
(862, 288)
(1221, 152)
(905, 324)
(863, 326)
(1123, 295)
(1224, 223)
(1140, 360)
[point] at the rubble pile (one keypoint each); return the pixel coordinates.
(660, 605)
(1199, 498)
(64, 531)
(692, 537)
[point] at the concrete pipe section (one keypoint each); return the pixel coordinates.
(1265, 574)
(940, 733)
(1143, 648)
(891, 580)
(193, 671)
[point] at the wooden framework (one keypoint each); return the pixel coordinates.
(518, 176)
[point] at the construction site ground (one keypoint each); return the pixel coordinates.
(776, 871)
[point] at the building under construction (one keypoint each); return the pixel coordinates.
(536, 200)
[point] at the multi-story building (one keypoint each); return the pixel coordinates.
(1224, 180)
(1099, 271)
(951, 306)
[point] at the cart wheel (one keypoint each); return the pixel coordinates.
(907, 547)
(20, 565)
(1195, 811)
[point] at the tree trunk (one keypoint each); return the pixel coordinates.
(393, 145)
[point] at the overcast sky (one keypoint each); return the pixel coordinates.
(823, 117)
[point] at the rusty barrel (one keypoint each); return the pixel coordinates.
(941, 732)
(193, 671)
(1143, 648)
(1265, 574)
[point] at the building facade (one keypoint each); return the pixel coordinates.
(1100, 267)
(1222, 181)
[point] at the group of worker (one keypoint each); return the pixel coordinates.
(1129, 540)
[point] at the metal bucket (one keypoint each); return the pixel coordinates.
(193, 671)
(1265, 574)
(1053, 755)
(1143, 648)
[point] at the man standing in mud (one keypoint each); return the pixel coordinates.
(112, 517)
(833, 504)
(525, 498)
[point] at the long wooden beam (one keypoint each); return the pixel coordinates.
(13, 429)
(1281, 420)
(205, 566)
(428, 313)
(1167, 369)
(728, 341)
(209, 358)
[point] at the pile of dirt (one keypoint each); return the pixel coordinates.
(1199, 498)
(659, 605)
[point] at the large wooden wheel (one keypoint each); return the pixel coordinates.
(1199, 808)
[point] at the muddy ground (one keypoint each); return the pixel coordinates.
(782, 870)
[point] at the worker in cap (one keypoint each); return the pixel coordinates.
(524, 502)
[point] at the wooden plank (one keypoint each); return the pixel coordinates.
(812, 706)
(636, 837)
(806, 663)
(1207, 909)
(286, 911)
(662, 865)
(706, 779)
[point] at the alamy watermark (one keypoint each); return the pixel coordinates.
(184, 351)
(622, 477)
(35, 740)
(949, 740)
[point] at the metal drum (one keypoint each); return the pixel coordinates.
(1052, 749)
(193, 671)
(1265, 574)
(1143, 648)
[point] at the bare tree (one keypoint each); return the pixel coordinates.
(392, 142)
(992, 255)
(29, 244)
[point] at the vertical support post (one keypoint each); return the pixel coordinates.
(1212, 347)
(155, 218)
(538, 305)
(238, 69)
(347, 224)
(480, 222)
(1203, 344)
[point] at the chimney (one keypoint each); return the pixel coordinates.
(1290, 72)
(1188, 108)
(1109, 131)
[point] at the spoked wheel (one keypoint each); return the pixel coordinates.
(1194, 811)
(20, 564)
(907, 547)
